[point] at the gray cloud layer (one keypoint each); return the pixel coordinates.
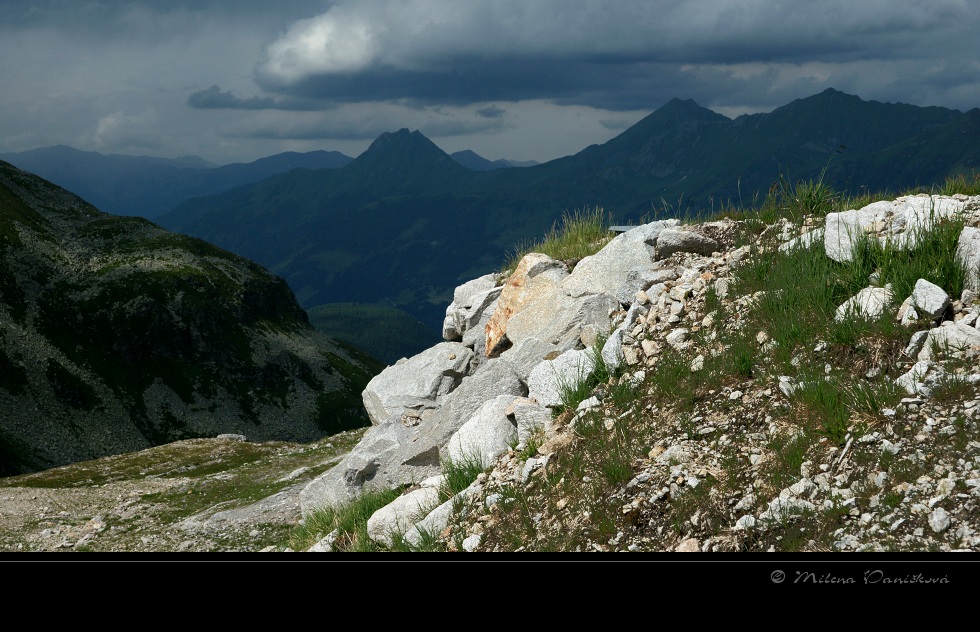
(509, 78)
(613, 55)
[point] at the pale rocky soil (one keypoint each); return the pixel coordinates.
(198, 495)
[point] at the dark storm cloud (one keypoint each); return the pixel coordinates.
(491, 111)
(214, 98)
(509, 78)
(608, 55)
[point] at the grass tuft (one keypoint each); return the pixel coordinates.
(579, 234)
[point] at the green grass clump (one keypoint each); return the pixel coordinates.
(459, 474)
(580, 234)
(349, 521)
(960, 183)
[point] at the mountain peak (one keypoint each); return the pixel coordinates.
(407, 151)
(402, 137)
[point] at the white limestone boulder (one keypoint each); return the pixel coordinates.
(551, 377)
(929, 299)
(486, 435)
(419, 381)
(869, 304)
(398, 516)
(968, 254)
(949, 337)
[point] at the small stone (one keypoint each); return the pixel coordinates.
(939, 520)
(735, 395)
(745, 522)
(690, 545)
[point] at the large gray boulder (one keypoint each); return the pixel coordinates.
(536, 275)
(559, 319)
(418, 382)
(400, 515)
(359, 469)
(604, 271)
(551, 378)
(422, 455)
(486, 435)
(404, 449)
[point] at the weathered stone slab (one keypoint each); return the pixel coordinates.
(550, 377)
(603, 272)
(968, 254)
(398, 516)
(417, 381)
(486, 435)
(672, 240)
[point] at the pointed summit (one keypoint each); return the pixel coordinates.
(403, 145)
(404, 161)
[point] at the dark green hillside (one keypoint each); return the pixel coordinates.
(382, 331)
(116, 335)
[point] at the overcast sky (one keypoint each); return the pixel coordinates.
(235, 80)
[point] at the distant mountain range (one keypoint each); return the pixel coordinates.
(404, 222)
(145, 186)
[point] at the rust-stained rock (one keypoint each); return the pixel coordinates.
(536, 275)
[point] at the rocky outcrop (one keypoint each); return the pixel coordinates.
(641, 301)
(116, 335)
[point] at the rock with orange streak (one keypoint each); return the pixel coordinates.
(536, 275)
